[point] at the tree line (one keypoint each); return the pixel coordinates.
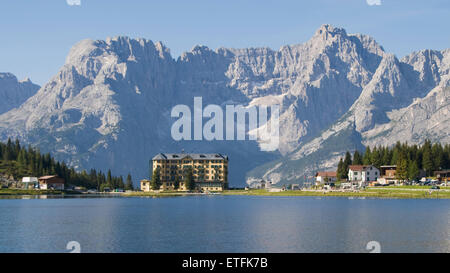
(410, 159)
(20, 161)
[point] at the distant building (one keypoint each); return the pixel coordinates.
(210, 171)
(363, 173)
(265, 184)
(30, 182)
(443, 176)
(51, 182)
(324, 177)
(145, 185)
(387, 175)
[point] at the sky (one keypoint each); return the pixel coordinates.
(36, 35)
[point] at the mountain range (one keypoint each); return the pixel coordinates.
(13, 93)
(109, 106)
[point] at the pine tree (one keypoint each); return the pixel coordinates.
(438, 156)
(413, 170)
(357, 159)
(129, 185)
(120, 182)
(109, 180)
(176, 182)
(16, 149)
(427, 160)
(189, 180)
(386, 159)
(401, 172)
(155, 183)
(341, 170)
(376, 157)
(347, 163)
(367, 158)
(9, 153)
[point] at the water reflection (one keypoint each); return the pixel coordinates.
(223, 224)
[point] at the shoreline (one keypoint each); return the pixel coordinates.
(381, 193)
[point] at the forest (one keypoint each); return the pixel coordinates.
(20, 161)
(410, 159)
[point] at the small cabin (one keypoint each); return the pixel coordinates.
(30, 182)
(51, 182)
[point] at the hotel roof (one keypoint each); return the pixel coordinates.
(167, 156)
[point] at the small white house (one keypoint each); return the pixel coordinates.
(363, 173)
(30, 182)
(323, 177)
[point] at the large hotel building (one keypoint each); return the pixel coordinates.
(210, 171)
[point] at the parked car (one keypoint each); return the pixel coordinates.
(435, 188)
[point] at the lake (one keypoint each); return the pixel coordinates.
(224, 224)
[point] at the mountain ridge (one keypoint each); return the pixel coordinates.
(109, 105)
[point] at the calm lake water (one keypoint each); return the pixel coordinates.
(224, 224)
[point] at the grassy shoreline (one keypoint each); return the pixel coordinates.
(383, 193)
(371, 193)
(31, 192)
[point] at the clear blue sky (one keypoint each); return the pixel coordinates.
(37, 35)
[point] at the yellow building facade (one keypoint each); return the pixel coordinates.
(210, 171)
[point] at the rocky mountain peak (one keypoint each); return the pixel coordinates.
(327, 30)
(13, 92)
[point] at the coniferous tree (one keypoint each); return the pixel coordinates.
(189, 180)
(438, 156)
(341, 170)
(120, 182)
(176, 182)
(8, 154)
(367, 158)
(155, 183)
(347, 163)
(357, 159)
(109, 180)
(413, 170)
(427, 160)
(129, 184)
(386, 158)
(401, 172)
(376, 157)
(16, 149)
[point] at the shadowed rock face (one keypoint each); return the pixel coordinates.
(13, 92)
(109, 105)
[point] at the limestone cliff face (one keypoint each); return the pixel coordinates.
(109, 105)
(13, 92)
(405, 100)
